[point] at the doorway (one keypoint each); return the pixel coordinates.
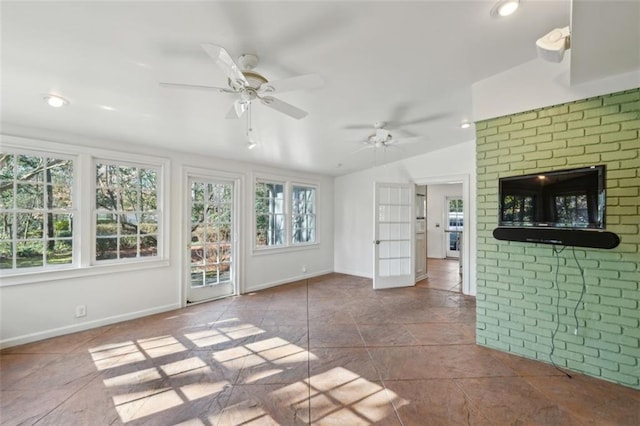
(211, 252)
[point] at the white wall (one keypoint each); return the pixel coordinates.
(42, 307)
(436, 215)
(353, 202)
(537, 84)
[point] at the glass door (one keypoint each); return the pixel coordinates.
(454, 226)
(211, 252)
(393, 236)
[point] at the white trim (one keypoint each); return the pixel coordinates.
(54, 332)
(238, 181)
(288, 280)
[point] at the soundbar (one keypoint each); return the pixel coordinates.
(593, 238)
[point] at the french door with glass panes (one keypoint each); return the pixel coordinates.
(211, 251)
(454, 226)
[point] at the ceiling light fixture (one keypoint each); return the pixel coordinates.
(504, 8)
(55, 101)
(465, 124)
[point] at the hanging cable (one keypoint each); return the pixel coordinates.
(584, 290)
(553, 335)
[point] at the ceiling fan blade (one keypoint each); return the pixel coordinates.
(405, 141)
(226, 64)
(421, 120)
(237, 109)
(307, 81)
(196, 87)
(283, 107)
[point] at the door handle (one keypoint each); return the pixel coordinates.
(376, 242)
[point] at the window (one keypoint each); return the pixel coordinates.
(126, 211)
(269, 199)
(36, 211)
(285, 214)
(517, 208)
(303, 219)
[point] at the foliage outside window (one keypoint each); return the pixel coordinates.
(126, 214)
(303, 219)
(36, 211)
(270, 217)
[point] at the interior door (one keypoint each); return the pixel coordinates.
(394, 261)
(454, 226)
(211, 252)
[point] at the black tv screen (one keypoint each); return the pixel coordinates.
(572, 198)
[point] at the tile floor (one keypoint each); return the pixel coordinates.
(444, 274)
(325, 351)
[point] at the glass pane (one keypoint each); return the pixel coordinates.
(30, 225)
(29, 254)
(60, 172)
(107, 224)
(107, 198)
(6, 194)
(197, 254)
(106, 175)
(148, 181)
(149, 245)
(197, 213)
(149, 224)
(30, 196)
(6, 226)
(106, 248)
(148, 201)
(129, 199)
(211, 276)
(128, 177)
(129, 224)
(62, 225)
(211, 254)
(60, 196)
(197, 192)
(60, 252)
(197, 277)
(30, 168)
(6, 255)
(128, 247)
(7, 162)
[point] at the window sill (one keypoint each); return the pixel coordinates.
(8, 280)
(260, 251)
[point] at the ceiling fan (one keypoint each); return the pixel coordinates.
(383, 138)
(251, 85)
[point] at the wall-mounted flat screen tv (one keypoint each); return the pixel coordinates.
(572, 198)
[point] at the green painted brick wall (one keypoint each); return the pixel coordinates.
(518, 307)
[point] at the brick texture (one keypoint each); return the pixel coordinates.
(524, 291)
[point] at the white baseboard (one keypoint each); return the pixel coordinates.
(354, 273)
(54, 332)
(301, 277)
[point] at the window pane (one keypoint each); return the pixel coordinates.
(269, 207)
(149, 246)
(6, 194)
(6, 255)
(107, 224)
(303, 215)
(33, 191)
(106, 248)
(30, 254)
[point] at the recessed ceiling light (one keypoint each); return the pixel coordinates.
(465, 124)
(55, 101)
(251, 144)
(504, 8)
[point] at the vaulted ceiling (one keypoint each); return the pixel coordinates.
(410, 64)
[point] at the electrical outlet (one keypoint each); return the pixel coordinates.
(81, 311)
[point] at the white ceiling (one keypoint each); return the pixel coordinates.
(408, 63)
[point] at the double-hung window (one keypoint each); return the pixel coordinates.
(36, 211)
(126, 211)
(285, 214)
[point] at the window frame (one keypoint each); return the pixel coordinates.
(288, 184)
(315, 214)
(73, 212)
(83, 198)
(95, 211)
